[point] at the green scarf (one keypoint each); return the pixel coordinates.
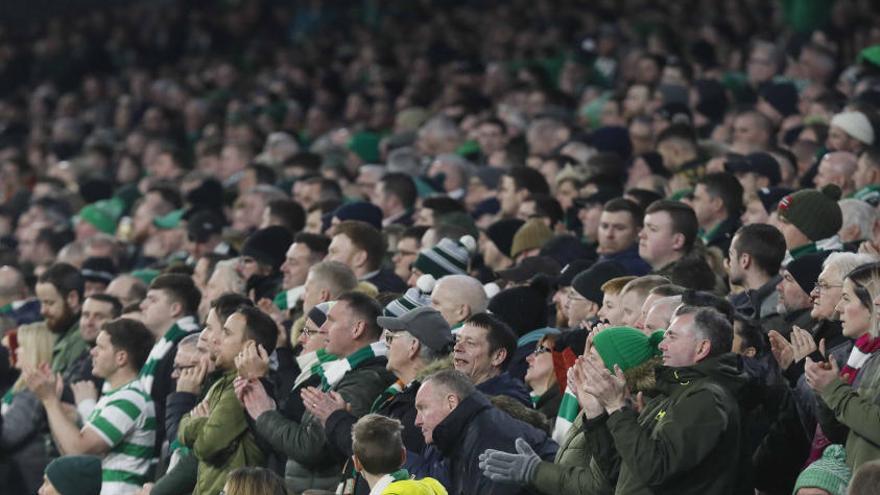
(287, 299)
(180, 329)
(333, 371)
(387, 395)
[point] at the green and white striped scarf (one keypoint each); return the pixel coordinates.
(287, 299)
(12, 307)
(310, 363)
(568, 411)
(333, 371)
(181, 328)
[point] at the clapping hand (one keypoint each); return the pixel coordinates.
(322, 404)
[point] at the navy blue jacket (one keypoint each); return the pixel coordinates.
(471, 428)
(630, 260)
(505, 384)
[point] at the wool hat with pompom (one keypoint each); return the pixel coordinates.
(448, 257)
(626, 347)
(829, 473)
(814, 212)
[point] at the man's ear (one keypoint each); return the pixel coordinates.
(745, 260)
(73, 301)
(678, 241)
(499, 356)
(850, 233)
(452, 401)
(359, 258)
(359, 328)
(324, 294)
(120, 358)
(705, 347)
(176, 310)
(403, 456)
(357, 463)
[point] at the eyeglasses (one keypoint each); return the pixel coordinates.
(310, 333)
(541, 350)
(390, 336)
(824, 287)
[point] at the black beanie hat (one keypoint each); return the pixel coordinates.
(75, 475)
(268, 246)
(806, 269)
(501, 234)
(99, 269)
(523, 308)
(782, 96)
(572, 270)
(589, 282)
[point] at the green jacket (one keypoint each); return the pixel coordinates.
(567, 473)
(305, 441)
(686, 438)
(857, 407)
(222, 441)
(67, 349)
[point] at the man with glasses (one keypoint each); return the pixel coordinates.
(415, 340)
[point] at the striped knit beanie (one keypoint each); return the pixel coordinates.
(318, 314)
(413, 298)
(448, 257)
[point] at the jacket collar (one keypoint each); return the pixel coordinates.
(448, 434)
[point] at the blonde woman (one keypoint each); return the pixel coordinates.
(852, 394)
(24, 420)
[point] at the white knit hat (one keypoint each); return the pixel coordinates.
(856, 125)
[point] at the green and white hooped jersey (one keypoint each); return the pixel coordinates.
(126, 419)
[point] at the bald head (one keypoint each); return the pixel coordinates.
(660, 314)
(457, 297)
(837, 167)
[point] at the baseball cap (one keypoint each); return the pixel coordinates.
(758, 163)
(203, 224)
(530, 267)
(424, 323)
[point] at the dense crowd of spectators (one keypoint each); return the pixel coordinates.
(462, 247)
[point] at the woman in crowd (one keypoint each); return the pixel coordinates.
(24, 419)
(541, 378)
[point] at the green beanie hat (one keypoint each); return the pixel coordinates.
(626, 347)
(169, 221)
(75, 475)
(366, 146)
(814, 212)
(102, 214)
(830, 473)
(146, 275)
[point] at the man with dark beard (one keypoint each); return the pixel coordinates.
(60, 291)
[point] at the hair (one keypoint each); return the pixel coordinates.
(684, 220)
(858, 212)
(334, 276)
(681, 133)
(547, 206)
(865, 480)
(36, 342)
(667, 290)
(261, 328)
(404, 160)
(377, 442)
(65, 278)
(402, 186)
(365, 308)
(751, 333)
(644, 284)
(845, 263)
(228, 303)
(189, 341)
(529, 179)
(643, 197)
(616, 284)
(764, 243)
(726, 186)
(622, 204)
(415, 232)
(453, 381)
(693, 272)
(710, 325)
(317, 244)
(366, 237)
(703, 299)
(130, 336)
(866, 282)
(255, 481)
(304, 159)
(180, 289)
(289, 212)
(441, 205)
(55, 237)
(116, 306)
(499, 335)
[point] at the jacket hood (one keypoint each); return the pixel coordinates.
(424, 486)
(725, 369)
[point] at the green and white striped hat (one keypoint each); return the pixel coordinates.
(448, 257)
